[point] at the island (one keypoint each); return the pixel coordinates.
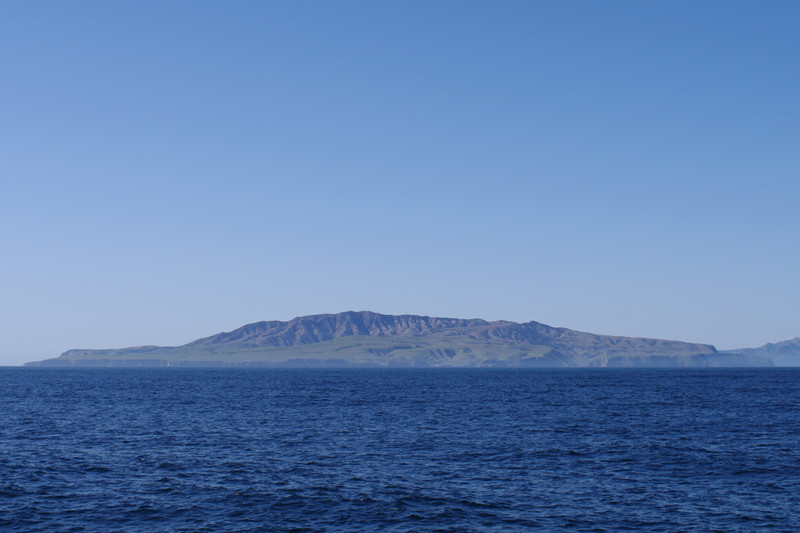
(368, 339)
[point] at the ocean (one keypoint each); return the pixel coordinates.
(399, 450)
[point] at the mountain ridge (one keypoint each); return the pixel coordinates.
(366, 338)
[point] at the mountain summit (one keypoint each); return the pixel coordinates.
(367, 339)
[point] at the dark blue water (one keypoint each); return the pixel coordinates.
(399, 450)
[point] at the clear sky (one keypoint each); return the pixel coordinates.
(170, 170)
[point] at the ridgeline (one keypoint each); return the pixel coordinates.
(367, 339)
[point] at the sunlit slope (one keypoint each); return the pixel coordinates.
(371, 339)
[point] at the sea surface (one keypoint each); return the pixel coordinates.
(399, 450)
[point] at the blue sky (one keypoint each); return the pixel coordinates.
(174, 169)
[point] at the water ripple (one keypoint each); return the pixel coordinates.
(338, 450)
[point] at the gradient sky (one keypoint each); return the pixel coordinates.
(174, 169)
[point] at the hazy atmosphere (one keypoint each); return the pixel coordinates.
(175, 169)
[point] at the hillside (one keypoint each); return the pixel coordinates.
(367, 339)
(785, 353)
